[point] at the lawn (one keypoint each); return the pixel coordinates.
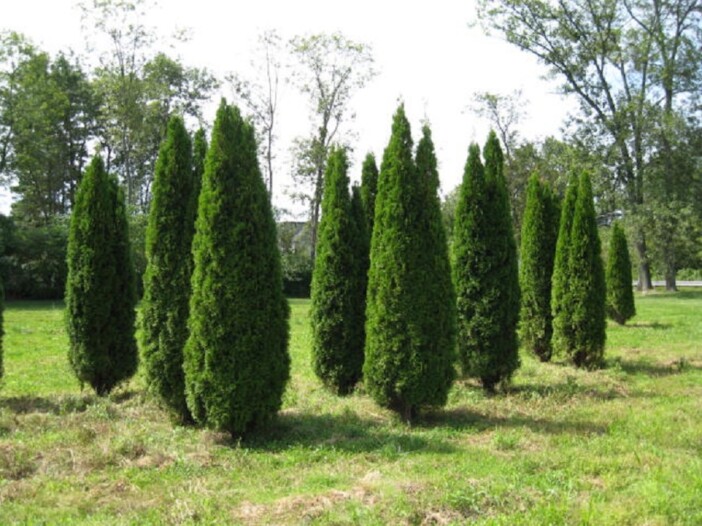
(619, 446)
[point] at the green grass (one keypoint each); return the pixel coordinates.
(618, 446)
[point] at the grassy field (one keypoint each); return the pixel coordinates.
(618, 446)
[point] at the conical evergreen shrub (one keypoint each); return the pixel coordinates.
(361, 245)
(100, 287)
(409, 351)
(369, 189)
(199, 155)
(236, 357)
(485, 271)
(561, 304)
(169, 235)
(620, 292)
(2, 328)
(538, 250)
(337, 329)
(587, 291)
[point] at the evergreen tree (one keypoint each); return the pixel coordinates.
(362, 260)
(169, 234)
(100, 288)
(236, 358)
(539, 236)
(409, 322)
(561, 305)
(337, 329)
(2, 327)
(620, 293)
(369, 189)
(485, 270)
(587, 292)
(199, 155)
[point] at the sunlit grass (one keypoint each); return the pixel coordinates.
(560, 446)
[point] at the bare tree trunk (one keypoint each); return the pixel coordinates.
(645, 284)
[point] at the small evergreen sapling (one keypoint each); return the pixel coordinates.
(620, 293)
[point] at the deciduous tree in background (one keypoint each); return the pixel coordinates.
(236, 357)
(100, 289)
(169, 235)
(331, 69)
(409, 313)
(620, 293)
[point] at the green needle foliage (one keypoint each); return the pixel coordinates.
(561, 307)
(578, 300)
(369, 189)
(620, 293)
(485, 271)
(169, 235)
(337, 328)
(100, 288)
(199, 155)
(2, 329)
(409, 327)
(538, 250)
(362, 252)
(236, 358)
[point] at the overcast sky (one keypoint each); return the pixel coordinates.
(427, 55)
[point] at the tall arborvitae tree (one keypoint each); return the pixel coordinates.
(362, 259)
(409, 351)
(586, 288)
(236, 357)
(169, 235)
(538, 250)
(100, 287)
(199, 155)
(561, 306)
(2, 327)
(620, 292)
(369, 189)
(336, 327)
(485, 271)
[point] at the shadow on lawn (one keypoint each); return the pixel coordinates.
(22, 405)
(656, 326)
(655, 369)
(463, 418)
(346, 432)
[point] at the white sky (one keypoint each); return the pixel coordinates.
(426, 53)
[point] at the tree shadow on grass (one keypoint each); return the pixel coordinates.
(656, 326)
(22, 405)
(566, 390)
(685, 294)
(348, 432)
(654, 369)
(462, 418)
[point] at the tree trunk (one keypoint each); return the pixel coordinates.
(645, 284)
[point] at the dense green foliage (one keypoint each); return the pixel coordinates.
(337, 328)
(579, 325)
(2, 328)
(369, 188)
(561, 307)
(236, 357)
(538, 250)
(100, 289)
(361, 243)
(164, 311)
(485, 270)
(409, 327)
(620, 293)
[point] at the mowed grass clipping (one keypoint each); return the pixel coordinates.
(618, 446)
